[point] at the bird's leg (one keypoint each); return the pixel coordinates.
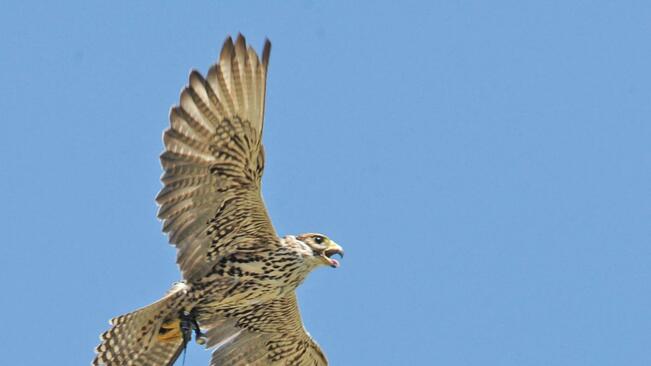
(185, 324)
(188, 323)
(199, 336)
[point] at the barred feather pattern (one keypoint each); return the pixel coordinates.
(131, 340)
(267, 333)
(211, 203)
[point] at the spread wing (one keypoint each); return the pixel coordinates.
(269, 333)
(211, 204)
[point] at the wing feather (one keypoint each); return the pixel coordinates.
(269, 333)
(210, 203)
(238, 74)
(252, 93)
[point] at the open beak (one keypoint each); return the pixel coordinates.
(332, 249)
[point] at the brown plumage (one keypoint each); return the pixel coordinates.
(239, 277)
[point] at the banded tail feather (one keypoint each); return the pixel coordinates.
(148, 336)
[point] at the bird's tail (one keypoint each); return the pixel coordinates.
(148, 336)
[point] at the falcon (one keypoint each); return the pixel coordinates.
(237, 295)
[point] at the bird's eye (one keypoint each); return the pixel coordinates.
(318, 239)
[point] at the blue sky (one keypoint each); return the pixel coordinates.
(486, 165)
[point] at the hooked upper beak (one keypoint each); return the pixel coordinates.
(332, 249)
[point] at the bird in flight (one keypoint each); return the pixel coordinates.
(237, 295)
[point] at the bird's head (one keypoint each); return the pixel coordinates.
(320, 249)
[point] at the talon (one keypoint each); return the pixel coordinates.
(200, 339)
(171, 324)
(169, 336)
(169, 331)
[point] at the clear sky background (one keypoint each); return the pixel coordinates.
(486, 165)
